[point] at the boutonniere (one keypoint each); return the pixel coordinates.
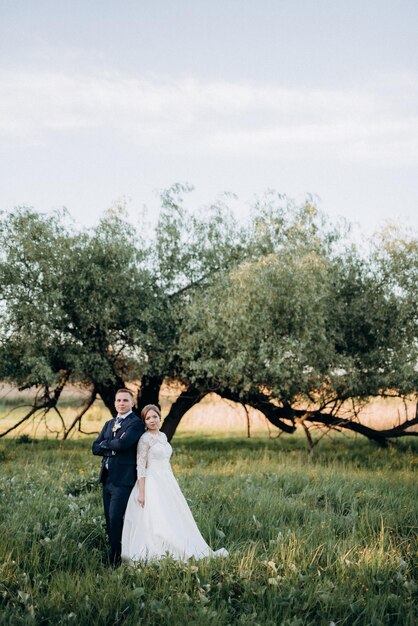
(116, 427)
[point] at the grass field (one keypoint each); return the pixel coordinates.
(312, 541)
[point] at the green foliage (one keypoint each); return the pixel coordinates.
(310, 320)
(102, 305)
(25, 439)
(192, 251)
(192, 248)
(75, 303)
(329, 539)
(265, 326)
(374, 326)
(285, 305)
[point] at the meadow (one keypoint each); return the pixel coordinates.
(321, 539)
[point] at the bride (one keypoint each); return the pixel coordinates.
(158, 520)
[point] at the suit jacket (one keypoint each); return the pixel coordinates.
(120, 450)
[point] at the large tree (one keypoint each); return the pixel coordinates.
(103, 306)
(310, 330)
(76, 306)
(283, 314)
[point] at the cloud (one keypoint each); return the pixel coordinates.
(369, 125)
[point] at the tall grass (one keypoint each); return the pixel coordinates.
(312, 541)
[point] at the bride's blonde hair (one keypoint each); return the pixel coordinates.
(147, 408)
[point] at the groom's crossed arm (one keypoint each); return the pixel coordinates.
(108, 446)
(97, 447)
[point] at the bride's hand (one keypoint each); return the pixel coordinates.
(141, 491)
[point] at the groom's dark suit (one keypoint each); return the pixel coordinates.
(118, 473)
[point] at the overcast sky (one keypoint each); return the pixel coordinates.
(105, 100)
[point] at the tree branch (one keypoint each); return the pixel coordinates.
(77, 420)
(26, 417)
(262, 403)
(48, 402)
(381, 437)
(276, 415)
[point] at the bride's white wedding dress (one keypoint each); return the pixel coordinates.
(165, 525)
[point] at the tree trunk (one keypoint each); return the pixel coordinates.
(108, 391)
(275, 415)
(184, 402)
(149, 392)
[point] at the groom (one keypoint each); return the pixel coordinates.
(117, 445)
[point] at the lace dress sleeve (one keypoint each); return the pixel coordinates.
(142, 456)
